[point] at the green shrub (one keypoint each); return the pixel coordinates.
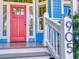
(76, 24)
(76, 32)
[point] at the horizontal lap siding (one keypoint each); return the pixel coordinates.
(49, 8)
(57, 9)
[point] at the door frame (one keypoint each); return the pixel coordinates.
(27, 19)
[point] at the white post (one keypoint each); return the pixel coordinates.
(74, 6)
(1, 17)
(34, 3)
(45, 29)
(62, 5)
(67, 38)
(8, 22)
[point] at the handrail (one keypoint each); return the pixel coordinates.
(64, 32)
(55, 24)
(57, 27)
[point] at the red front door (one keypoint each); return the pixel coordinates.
(18, 23)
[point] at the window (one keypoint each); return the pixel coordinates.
(41, 0)
(18, 11)
(42, 10)
(41, 23)
(31, 11)
(22, 11)
(31, 27)
(67, 10)
(14, 11)
(31, 21)
(58, 46)
(4, 20)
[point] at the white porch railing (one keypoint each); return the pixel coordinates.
(58, 36)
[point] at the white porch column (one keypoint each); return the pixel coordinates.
(34, 17)
(8, 22)
(62, 5)
(74, 6)
(45, 29)
(1, 17)
(67, 38)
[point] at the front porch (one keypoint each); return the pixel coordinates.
(23, 50)
(15, 45)
(11, 29)
(52, 42)
(55, 43)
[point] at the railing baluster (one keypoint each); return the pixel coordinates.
(60, 44)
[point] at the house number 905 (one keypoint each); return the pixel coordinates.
(69, 37)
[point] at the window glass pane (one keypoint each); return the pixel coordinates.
(22, 11)
(4, 20)
(41, 0)
(14, 11)
(67, 10)
(58, 43)
(31, 21)
(18, 11)
(31, 11)
(31, 27)
(42, 10)
(41, 23)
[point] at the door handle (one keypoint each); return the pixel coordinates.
(24, 23)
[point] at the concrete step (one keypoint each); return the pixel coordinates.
(24, 53)
(22, 50)
(43, 57)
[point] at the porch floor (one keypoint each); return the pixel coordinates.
(13, 45)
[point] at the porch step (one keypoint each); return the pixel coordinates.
(24, 53)
(42, 57)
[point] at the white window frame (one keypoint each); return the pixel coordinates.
(38, 29)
